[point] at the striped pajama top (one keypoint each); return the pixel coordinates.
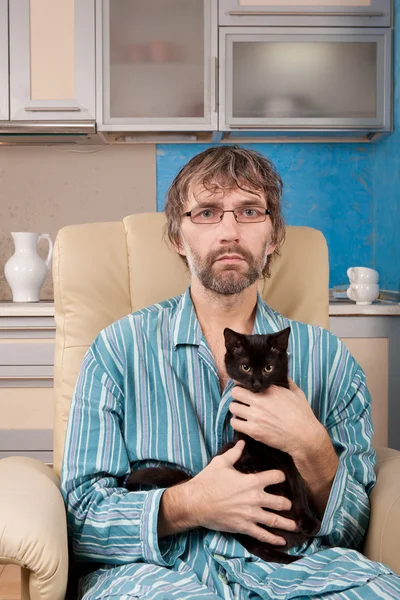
(148, 394)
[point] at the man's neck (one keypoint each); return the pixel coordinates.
(215, 311)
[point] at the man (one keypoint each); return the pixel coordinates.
(153, 390)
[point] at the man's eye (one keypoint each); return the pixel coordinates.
(250, 212)
(207, 214)
(268, 368)
(245, 368)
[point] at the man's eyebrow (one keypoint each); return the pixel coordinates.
(239, 202)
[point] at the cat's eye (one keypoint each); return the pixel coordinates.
(268, 369)
(245, 368)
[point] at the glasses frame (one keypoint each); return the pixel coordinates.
(267, 212)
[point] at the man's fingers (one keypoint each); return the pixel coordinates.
(233, 454)
(274, 502)
(271, 477)
(276, 521)
(265, 536)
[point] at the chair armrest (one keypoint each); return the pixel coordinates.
(382, 542)
(33, 529)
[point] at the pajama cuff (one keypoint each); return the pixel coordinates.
(162, 552)
(331, 519)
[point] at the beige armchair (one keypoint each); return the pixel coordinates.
(102, 272)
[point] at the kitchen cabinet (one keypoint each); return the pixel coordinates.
(52, 60)
(305, 13)
(374, 341)
(291, 78)
(156, 65)
(27, 337)
(4, 108)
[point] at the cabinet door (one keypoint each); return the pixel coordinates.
(372, 354)
(4, 109)
(301, 79)
(156, 65)
(303, 13)
(52, 60)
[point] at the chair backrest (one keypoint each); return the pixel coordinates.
(104, 271)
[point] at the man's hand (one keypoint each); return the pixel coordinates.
(223, 499)
(283, 419)
(278, 417)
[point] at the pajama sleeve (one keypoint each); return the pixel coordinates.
(107, 523)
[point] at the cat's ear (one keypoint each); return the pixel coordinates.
(280, 340)
(233, 340)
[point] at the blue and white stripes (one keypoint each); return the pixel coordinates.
(148, 394)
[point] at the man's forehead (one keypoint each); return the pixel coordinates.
(199, 194)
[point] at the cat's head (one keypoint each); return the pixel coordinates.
(257, 361)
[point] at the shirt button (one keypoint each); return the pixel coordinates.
(219, 557)
(222, 578)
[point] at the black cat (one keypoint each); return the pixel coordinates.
(256, 362)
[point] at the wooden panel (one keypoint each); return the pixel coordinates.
(372, 354)
(26, 440)
(27, 408)
(52, 36)
(26, 352)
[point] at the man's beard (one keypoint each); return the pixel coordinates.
(231, 278)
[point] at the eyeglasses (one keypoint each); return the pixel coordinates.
(247, 214)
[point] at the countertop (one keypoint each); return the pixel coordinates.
(45, 308)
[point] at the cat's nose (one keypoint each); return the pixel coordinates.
(257, 385)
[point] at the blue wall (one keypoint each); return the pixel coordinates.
(351, 192)
(386, 185)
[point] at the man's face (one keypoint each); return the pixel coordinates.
(226, 257)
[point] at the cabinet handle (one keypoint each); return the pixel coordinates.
(215, 81)
(18, 378)
(293, 13)
(290, 127)
(52, 108)
(29, 328)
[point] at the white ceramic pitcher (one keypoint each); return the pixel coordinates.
(25, 271)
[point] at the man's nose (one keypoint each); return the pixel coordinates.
(229, 228)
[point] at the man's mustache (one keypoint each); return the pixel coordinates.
(240, 253)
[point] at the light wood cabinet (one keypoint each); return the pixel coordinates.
(52, 60)
(26, 381)
(374, 341)
(372, 354)
(156, 65)
(284, 78)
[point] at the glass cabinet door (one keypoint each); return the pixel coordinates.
(4, 108)
(52, 60)
(158, 65)
(287, 79)
(303, 13)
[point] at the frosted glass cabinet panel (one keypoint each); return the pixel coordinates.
(4, 108)
(303, 13)
(52, 60)
(158, 69)
(284, 79)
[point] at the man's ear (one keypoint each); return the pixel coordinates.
(271, 248)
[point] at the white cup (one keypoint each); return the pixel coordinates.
(362, 275)
(363, 293)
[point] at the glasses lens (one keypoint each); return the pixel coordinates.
(250, 214)
(206, 215)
